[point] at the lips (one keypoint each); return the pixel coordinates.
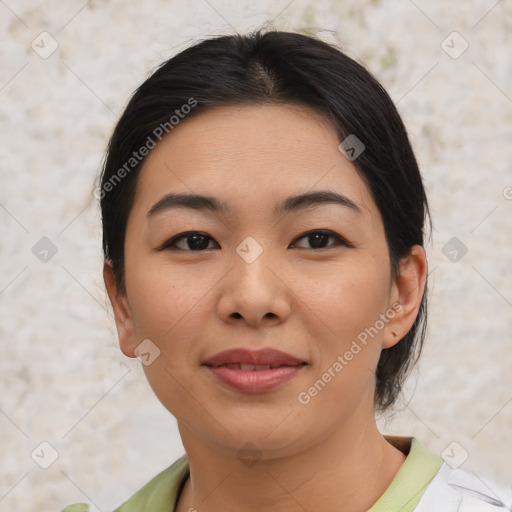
(262, 359)
(253, 371)
(246, 367)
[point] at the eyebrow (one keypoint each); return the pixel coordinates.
(293, 203)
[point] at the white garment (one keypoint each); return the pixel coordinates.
(458, 490)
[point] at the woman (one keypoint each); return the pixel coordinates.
(263, 217)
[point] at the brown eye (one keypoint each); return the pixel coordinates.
(189, 241)
(319, 239)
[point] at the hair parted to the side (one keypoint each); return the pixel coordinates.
(280, 68)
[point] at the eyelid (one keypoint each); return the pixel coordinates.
(171, 241)
(341, 240)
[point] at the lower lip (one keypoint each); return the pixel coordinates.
(255, 381)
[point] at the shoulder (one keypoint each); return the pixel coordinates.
(158, 495)
(464, 491)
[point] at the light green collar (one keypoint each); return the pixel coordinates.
(413, 477)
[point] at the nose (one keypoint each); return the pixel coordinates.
(255, 293)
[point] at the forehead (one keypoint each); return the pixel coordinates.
(254, 154)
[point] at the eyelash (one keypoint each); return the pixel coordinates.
(170, 244)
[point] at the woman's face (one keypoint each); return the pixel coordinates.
(252, 279)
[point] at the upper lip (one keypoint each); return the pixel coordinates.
(267, 356)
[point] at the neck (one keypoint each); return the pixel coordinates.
(353, 468)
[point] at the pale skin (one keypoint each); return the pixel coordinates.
(306, 301)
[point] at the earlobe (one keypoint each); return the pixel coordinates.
(122, 313)
(407, 293)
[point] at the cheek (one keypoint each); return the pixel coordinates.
(163, 299)
(169, 308)
(347, 303)
(347, 300)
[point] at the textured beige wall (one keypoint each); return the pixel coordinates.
(63, 379)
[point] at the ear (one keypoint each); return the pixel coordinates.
(406, 296)
(122, 312)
